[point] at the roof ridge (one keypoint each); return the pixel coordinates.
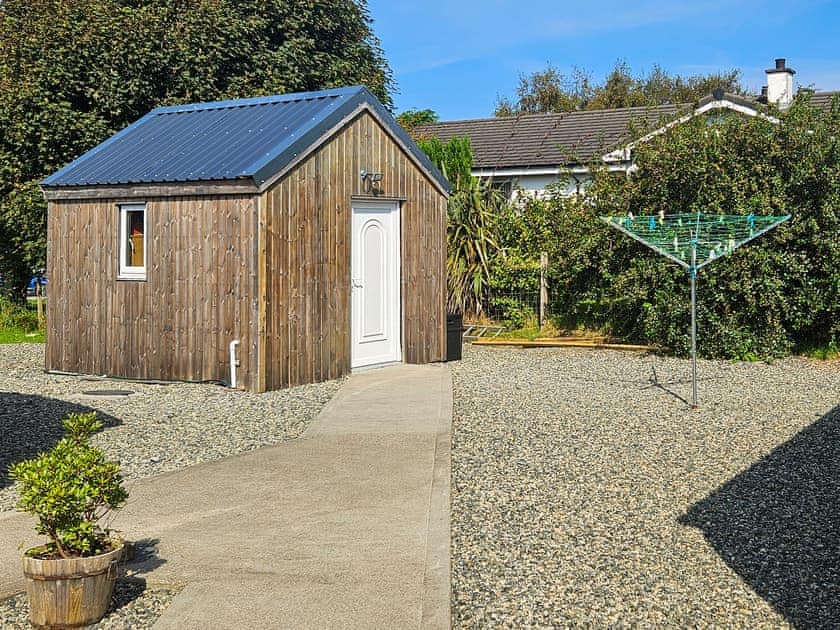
(547, 115)
(270, 99)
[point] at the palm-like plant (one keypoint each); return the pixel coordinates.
(472, 245)
(474, 206)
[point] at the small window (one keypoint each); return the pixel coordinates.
(133, 242)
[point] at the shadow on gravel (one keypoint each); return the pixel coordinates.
(777, 525)
(32, 424)
(143, 558)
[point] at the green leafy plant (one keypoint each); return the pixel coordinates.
(71, 488)
(16, 316)
(472, 244)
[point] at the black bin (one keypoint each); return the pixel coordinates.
(454, 328)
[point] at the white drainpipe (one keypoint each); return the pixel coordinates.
(233, 362)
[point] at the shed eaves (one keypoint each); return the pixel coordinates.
(227, 140)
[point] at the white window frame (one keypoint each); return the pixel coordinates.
(128, 272)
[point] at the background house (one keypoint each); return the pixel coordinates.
(306, 227)
(526, 153)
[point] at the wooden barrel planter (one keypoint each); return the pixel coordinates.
(70, 592)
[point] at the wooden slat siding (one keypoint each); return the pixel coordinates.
(262, 295)
(308, 215)
(272, 235)
(348, 164)
(198, 294)
(300, 341)
(311, 269)
(322, 182)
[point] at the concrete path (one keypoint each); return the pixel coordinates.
(345, 527)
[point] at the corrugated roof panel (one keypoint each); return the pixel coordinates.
(249, 138)
(194, 144)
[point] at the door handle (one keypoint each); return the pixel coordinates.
(356, 283)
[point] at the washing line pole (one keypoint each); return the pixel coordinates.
(709, 246)
(693, 274)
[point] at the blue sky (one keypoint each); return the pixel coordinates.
(458, 57)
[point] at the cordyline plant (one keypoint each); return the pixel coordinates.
(474, 204)
(70, 489)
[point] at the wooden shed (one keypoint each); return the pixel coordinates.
(275, 241)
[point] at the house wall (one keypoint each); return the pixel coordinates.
(306, 217)
(199, 294)
(535, 185)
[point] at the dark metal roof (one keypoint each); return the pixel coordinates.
(551, 140)
(228, 140)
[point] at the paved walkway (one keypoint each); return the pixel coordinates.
(345, 527)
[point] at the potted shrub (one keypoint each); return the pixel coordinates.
(71, 488)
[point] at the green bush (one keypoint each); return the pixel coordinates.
(778, 294)
(512, 313)
(512, 275)
(17, 316)
(70, 489)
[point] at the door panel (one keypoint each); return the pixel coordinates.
(375, 282)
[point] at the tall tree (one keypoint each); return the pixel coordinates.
(551, 91)
(410, 118)
(548, 91)
(74, 72)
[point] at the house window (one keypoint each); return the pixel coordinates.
(504, 186)
(132, 242)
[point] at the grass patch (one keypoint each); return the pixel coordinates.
(523, 333)
(548, 331)
(19, 323)
(19, 335)
(823, 353)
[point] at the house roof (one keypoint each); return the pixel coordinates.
(823, 100)
(550, 140)
(249, 139)
(532, 141)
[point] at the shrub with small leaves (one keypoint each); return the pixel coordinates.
(70, 489)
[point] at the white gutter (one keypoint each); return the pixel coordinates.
(524, 172)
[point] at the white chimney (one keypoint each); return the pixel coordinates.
(780, 84)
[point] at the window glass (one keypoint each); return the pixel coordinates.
(132, 242)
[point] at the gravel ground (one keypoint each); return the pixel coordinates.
(133, 606)
(156, 429)
(586, 492)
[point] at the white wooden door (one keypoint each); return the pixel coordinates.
(375, 282)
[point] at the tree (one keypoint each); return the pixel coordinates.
(72, 73)
(411, 118)
(550, 91)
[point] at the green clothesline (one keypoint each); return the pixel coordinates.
(693, 241)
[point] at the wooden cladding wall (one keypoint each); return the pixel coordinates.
(307, 256)
(199, 294)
